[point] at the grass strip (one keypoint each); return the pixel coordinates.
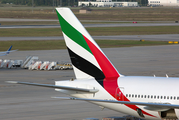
(95, 31)
(30, 32)
(97, 13)
(60, 44)
(142, 30)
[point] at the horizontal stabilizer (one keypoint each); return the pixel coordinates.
(55, 86)
(13, 50)
(9, 51)
(160, 106)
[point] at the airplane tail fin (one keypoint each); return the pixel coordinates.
(87, 58)
(9, 49)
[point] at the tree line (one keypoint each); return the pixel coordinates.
(60, 2)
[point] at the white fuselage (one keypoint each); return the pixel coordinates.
(135, 89)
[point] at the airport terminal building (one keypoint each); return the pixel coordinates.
(163, 2)
(107, 3)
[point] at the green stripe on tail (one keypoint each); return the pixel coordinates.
(72, 33)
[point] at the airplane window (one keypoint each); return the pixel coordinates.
(151, 96)
(155, 97)
(164, 97)
(171, 97)
(174, 98)
(138, 96)
(126, 95)
(142, 96)
(148, 96)
(177, 98)
(167, 97)
(161, 97)
(145, 96)
(132, 95)
(129, 95)
(135, 95)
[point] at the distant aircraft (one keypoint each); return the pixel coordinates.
(7, 52)
(98, 82)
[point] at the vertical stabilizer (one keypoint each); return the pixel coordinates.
(9, 49)
(87, 58)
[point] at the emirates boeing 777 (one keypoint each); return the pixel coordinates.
(98, 81)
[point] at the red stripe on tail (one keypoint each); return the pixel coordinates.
(106, 66)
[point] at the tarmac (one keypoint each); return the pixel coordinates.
(160, 37)
(21, 102)
(90, 25)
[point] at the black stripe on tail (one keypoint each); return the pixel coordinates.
(85, 66)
